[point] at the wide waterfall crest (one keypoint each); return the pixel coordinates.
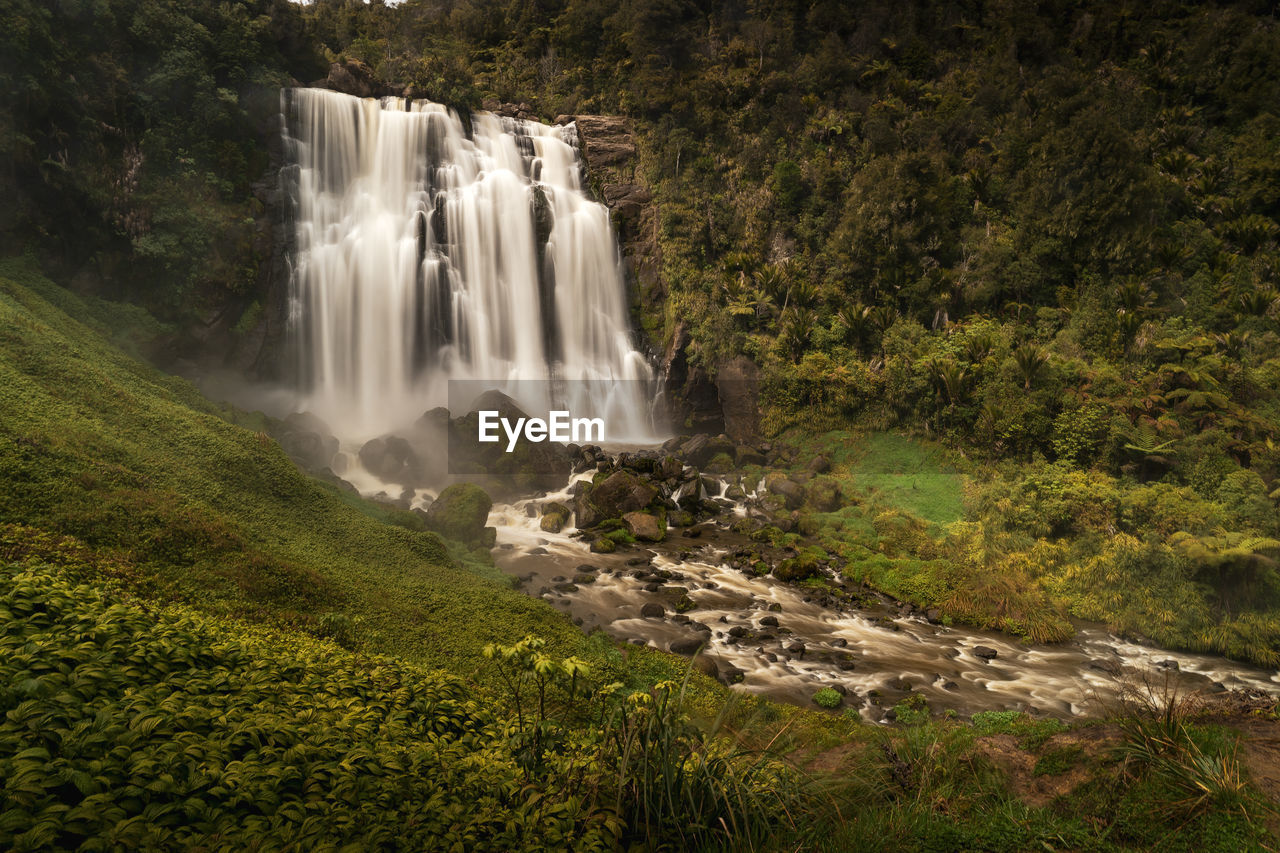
(425, 253)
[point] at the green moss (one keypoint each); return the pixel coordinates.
(460, 512)
(1031, 732)
(827, 698)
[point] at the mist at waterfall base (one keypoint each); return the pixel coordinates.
(428, 251)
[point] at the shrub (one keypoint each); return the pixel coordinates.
(827, 698)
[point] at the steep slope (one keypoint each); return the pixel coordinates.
(134, 463)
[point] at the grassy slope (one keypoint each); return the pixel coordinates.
(903, 531)
(175, 501)
(95, 444)
(165, 729)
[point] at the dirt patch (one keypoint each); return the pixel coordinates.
(1019, 765)
(832, 760)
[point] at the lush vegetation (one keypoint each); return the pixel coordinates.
(1044, 237)
(134, 725)
(1012, 269)
(196, 509)
(133, 134)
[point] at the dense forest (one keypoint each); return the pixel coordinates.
(1042, 240)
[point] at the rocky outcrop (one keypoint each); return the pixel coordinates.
(693, 403)
(738, 388)
(608, 147)
(353, 77)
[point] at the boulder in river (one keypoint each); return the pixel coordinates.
(554, 517)
(688, 645)
(653, 610)
(307, 440)
(732, 675)
(389, 457)
(645, 527)
(619, 493)
(460, 513)
(984, 652)
(1111, 667)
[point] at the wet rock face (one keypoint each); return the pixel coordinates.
(608, 147)
(307, 440)
(738, 386)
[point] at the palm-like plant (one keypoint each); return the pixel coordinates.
(1031, 360)
(855, 320)
(1258, 302)
(1251, 231)
(978, 346)
(951, 379)
(797, 324)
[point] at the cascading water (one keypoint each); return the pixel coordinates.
(425, 253)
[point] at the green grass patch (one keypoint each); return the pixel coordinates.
(890, 471)
(1030, 732)
(1058, 761)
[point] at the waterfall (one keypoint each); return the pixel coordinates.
(427, 252)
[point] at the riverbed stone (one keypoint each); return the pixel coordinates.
(1111, 667)
(645, 527)
(653, 610)
(984, 652)
(460, 513)
(619, 493)
(732, 675)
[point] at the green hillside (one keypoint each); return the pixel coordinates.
(193, 508)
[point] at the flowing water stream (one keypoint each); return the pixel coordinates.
(876, 654)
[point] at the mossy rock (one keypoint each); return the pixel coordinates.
(614, 496)
(555, 516)
(721, 463)
(680, 518)
(796, 568)
(646, 527)
(827, 698)
(460, 512)
(823, 495)
(604, 545)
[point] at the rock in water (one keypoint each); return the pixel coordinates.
(620, 493)
(460, 513)
(644, 527)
